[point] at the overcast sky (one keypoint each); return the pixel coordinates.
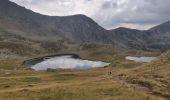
(139, 14)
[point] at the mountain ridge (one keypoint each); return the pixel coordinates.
(78, 28)
(67, 26)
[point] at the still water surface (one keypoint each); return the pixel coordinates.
(68, 62)
(140, 59)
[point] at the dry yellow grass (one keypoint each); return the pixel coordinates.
(154, 75)
(20, 83)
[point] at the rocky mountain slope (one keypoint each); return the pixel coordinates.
(156, 38)
(130, 38)
(160, 37)
(36, 26)
(78, 29)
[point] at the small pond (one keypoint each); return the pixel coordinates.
(67, 62)
(140, 59)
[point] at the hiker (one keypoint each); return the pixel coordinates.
(109, 73)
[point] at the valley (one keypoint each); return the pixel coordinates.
(115, 64)
(21, 82)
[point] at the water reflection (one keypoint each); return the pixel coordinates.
(140, 59)
(67, 62)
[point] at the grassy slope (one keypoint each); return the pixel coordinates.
(18, 83)
(154, 75)
(64, 85)
(11, 44)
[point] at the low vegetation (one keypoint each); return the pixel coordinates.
(154, 75)
(129, 81)
(18, 82)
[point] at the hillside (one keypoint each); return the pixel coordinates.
(26, 35)
(156, 38)
(160, 36)
(77, 31)
(154, 75)
(130, 38)
(21, 82)
(24, 22)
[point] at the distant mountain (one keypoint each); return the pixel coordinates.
(79, 29)
(160, 37)
(161, 29)
(130, 38)
(156, 38)
(24, 22)
(161, 32)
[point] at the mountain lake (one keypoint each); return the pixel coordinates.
(140, 59)
(67, 62)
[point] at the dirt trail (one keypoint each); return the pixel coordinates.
(136, 87)
(106, 77)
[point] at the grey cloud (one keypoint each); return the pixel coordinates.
(108, 4)
(108, 13)
(139, 12)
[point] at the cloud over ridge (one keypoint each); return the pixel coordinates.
(140, 14)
